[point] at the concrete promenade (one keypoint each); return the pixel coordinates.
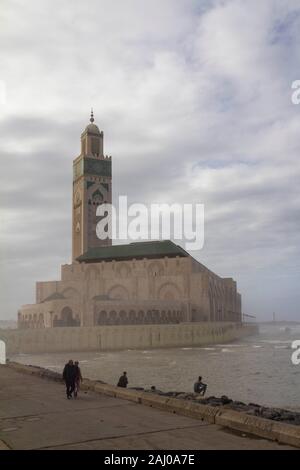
(35, 414)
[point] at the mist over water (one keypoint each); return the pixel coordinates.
(257, 369)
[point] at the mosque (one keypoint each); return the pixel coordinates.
(155, 282)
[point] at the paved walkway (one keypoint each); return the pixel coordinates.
(35, 414)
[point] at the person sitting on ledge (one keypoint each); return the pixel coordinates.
(200, 387)
(123, 381)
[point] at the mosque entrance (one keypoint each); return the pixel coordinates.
(66, 318)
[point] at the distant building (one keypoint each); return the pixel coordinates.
(137, 283)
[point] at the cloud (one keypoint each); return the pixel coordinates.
(195, 102)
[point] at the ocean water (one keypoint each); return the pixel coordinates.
(257, 369)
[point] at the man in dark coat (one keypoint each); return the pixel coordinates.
(69, 376)
(123, 381)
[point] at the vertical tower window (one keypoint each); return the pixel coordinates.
(95, 146)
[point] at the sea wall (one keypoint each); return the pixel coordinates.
(243, 421)
(101, 338)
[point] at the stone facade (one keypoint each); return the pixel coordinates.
(139, 283)
(112, 337)
(165, 290)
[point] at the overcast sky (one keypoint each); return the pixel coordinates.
(194, 98)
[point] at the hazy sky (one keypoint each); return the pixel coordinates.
(194, 98)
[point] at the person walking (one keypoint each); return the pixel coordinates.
(69, 374)
(78, 378)
(123, 380)
(200, 387)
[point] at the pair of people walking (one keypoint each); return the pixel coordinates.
(72, 378)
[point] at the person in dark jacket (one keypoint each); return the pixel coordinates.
(123, 380)
(200, 387)
(69, 376)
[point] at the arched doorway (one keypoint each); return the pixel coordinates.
(2, 352)
(66, 317)
(101, 318)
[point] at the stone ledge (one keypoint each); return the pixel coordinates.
(87, 384)
(193, 410)
(127, 394)
(156, 401)
(106, 389)
(266, 428)
(3, 446)
(240, 421)
(34, 370)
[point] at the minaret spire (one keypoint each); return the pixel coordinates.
(91, 188)
(92, 116)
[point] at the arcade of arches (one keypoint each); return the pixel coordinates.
(138, 317)
(65, 317)
(163, 291)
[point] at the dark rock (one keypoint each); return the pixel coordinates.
(238, 403)
(171, 394)
(183, 396)
(270, 413)
(225, 400)
(215, 402)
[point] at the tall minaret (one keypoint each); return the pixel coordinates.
(92, 185)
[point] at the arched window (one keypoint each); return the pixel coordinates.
(123, 317)
(132, 317)
(112, 318)
(141, 317)
(102, 318)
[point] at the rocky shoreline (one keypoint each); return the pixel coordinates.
(252, 409)
(275, 414)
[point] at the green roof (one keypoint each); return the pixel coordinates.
(139, 250)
